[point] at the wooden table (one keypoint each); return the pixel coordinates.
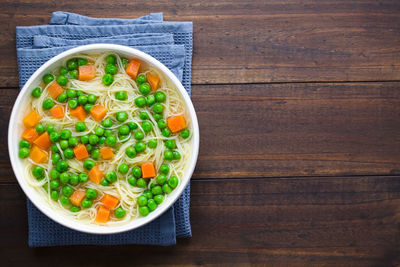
(299, 111)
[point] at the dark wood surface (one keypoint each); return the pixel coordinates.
(299, 110)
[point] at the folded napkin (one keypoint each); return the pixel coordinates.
(169, 42)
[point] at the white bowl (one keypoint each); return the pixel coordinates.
(16, 128)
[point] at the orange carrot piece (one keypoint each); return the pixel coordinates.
(148, 170)
(153, 80)
(110, 201)
(55, 89)
(77, 197)
(98, 112)
(95, 175)
(86, 72)
(57, 112)
(38, 155)
(78, 112)
(81, 152)
(106, 153)
(103, 214)
(43, 141)
(31, 119)
(177, 123)
(132, 68)
(30, 135)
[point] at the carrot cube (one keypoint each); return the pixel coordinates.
(95, 175)
(79, 113)
(132, 68)
(148, 170)
(30, 135)
(106, 153)
(77, 197)
(43, 141)
(110, 201)
(86, 72)
(38, 155)
(57, 112)
(103, 214)
(31, 119)
(98, 112)
(153, 80)
(176, 123)
(55, 89)
(81, 152)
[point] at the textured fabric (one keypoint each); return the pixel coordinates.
(52, 40)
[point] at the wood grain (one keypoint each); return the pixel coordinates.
(298, 221)
(251, 41)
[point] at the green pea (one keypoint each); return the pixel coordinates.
(173, 181)
(67, 190)
(158, 108)
(141, 183)
(159, 199)
(147, 126)
(152, 143)
(107, 123)
(139, 135)
(55, 158)
(80, 126)
(111, 69)
(112, 176)
(99, 131)
(121, 95)
(170, 144)
(130, 152)
(164, 169)
(62, 97)
(124, 62)
(75, 209)
(92, 98)
(54, 184)
(162, 124)
(160, 96)
(54, 195)
(61, 166)
(161, 179)
(110, 59)
(64, 177)
(104, 182)
(166, 132)
(108, 133)
(83, 177)
(74, 74)
(37, 92)
(62, 80)
(88, 107)
(24, 152)
(111, 140)
(144, 88)
(63, 70)
(140, 147)
(84, 139)
(95, 154)
(89, 147)
(54, 137)
(48, 78)
(185, 133)
(24, 143)
(71, 93)
(48, 104)
(144, 116)
(122, 116)
(68, 153)
(64, 144)
(119, 213)
(140, 101)
(65, 134)
(89, 164)
(54, 174)
(151, 204)
(137, 172)
(176, 154)
(50, 128)
(156, 190)
(166, 189)
(102, 140)
(91, 193)
(72, 64)
(141, 78)
(132, 125)
(157, 117)
(82, 61)
(107, 79)
(142, 201)
(123, 130)
(168, 155)
(54, 148)
(150, 100)
(86, 203)
(73, 103)
(147, 193)
(132, 181)
(123, 168)
(65, 200)
(82, 100)
(144, 211)
(74, 179)
(73, 141)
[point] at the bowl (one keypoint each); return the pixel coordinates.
(16, 128)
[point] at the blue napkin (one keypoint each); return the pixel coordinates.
(169, 42)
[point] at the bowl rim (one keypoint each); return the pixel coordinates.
(72, 223)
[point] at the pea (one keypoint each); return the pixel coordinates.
(82, 100)
(104, 182)
(108, 133)
(86, 203)
(144, 88)
(130, 152)
(62, 80)
(48, 104)
(71, 93)
(68, 153)
(147, 193)
(54, 184)
(92, 98)
(151, 204)
(74, 74)
(161, 179)
(168, 155)
(139, 135)
(63, 144)
(48, 78)
(80, 126)
(88, 164)
(122, 116)
(144, 211)
(82, 61)
(73, 103)
(84, 139)
(99, 131)
(140, 101)
(123, 168)
(132, 181)
(67, 190)
(63, 70)
(157, 117)
(111, 176)
(102, 140)
(24, 143)
(141, 183)
(124, 130)
(54, 195)
(141, 78)
(152, 143)
(73, 141)
(159, 199)
(65, 134)
(65, 201)
(24, 152)
(54, 137)
(140, 147)
(50, 128)
(111, 69)
(176, 154)
(156, 190)
(83, 177)
(124, 62)
(132, 125)
(119, 213)
(55, 158)
(160, 97)
(173, 181)
(142, 201)
(166, 132)
(62, 97)
(107, 79)
(137, 172)
(72, 64)
(88, 107)
(164, 169)
(54, 148)
(170, 144)
(74, 179)
(95, 154)
(75, 209)
(111, 140)
(107, 123)
(91, 193)
(185, 133)
(64, 177)
(37, 92)
(158, 108)
(111, 59)
(166, 189)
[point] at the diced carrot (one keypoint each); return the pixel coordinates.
(38, 155)
(86, 72)
(30, 135)
(43, 141)
(103, 214)
(57, 112)
(177, 123)
(81, 152)
(106, 153)
(55, 89)
(98, 112)
(31, 119)
(77, 197)
(153, 80)
(132, 68)
(110, 201)
(95, 175)
(78, 112)
(148, 170)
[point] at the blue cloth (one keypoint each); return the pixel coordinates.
(169, 42)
